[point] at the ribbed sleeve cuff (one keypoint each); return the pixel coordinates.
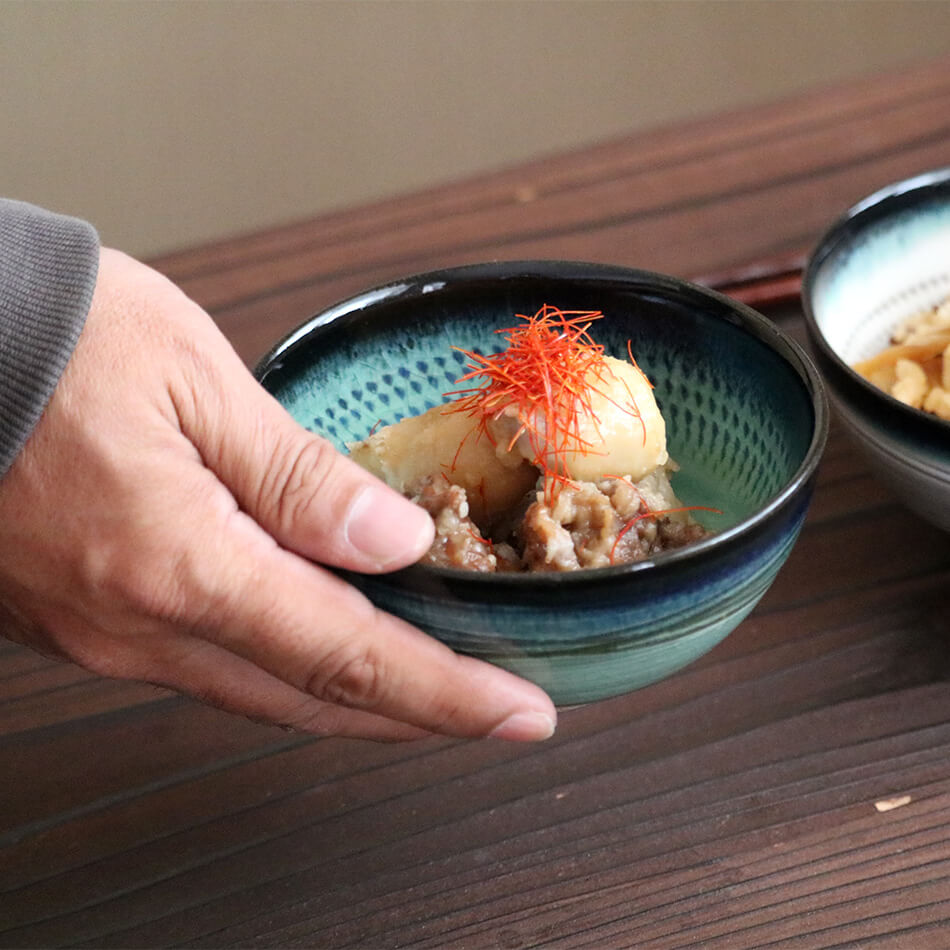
(48, 269)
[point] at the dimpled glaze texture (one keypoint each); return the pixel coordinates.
(740, 422)
(723, 427)
(354, 396)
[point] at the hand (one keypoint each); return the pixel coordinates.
(166, 521)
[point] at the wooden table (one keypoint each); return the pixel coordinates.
(792, 789)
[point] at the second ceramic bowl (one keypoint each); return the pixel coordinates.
(886, 259)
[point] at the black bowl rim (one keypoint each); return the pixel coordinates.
(849, 385)
(739, 314)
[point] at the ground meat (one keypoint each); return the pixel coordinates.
(586, 525)
(581, 528)
(457, 540)
(548, 545)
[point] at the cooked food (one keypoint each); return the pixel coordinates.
(596, 524)
(419, 447)
(555, 459)
(915, 368)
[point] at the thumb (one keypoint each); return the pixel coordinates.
(309, 497)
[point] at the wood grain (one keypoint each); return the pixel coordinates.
(731, 806)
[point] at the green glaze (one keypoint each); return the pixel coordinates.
(745, 420)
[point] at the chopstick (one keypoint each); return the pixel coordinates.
(762, 284)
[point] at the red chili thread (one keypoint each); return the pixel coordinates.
(488, 544)
(549, 371)
(655, 514)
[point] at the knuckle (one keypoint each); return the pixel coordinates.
(301, 472)
(351, 676)
(161, 573)
(153, 584)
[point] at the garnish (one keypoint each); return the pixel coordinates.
(478, 538)
(548, 374)
(654, 514)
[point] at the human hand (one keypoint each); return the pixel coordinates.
(163, 522)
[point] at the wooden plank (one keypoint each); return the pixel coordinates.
(640, 815)
(693, 241)
(925, 85)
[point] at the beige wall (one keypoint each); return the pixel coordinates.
(170, 123)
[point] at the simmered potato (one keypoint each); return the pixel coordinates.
(442, 443)
(619, 432)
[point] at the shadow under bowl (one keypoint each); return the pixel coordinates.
(886, 259)
(746, 422)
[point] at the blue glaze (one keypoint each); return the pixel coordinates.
(746, 421)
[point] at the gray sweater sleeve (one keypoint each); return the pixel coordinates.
(48, 268)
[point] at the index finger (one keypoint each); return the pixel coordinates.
(309, 628)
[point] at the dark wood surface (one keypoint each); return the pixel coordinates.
(791, 789)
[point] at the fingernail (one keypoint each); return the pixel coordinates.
(525, 727)
(386, 528)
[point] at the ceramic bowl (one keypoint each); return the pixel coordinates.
(885, 259)
(746, 421)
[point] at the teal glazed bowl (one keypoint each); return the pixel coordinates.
(886, 259)
(746, 421)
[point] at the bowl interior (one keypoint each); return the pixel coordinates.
(888, 260)
(740, 418)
